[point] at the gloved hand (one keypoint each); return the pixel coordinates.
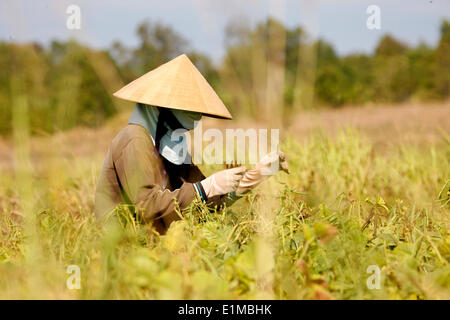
(223, 182)
(266, 167)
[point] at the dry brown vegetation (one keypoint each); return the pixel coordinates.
(307, 235)
(384, 126)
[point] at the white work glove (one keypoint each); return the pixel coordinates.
(223, 182)
(266, 167)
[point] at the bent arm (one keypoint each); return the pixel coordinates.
(138, 172)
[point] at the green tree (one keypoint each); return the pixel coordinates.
(158, 44)
(392, 82)
(442, 75)
(78, 94)
(23, 73)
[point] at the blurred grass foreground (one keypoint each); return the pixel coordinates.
(369, 184)
(309, 235)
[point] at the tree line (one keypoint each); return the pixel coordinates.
(266, 67)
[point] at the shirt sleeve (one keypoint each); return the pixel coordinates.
(195, 176)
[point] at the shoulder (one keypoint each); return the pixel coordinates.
(130, 136)
(133, 131)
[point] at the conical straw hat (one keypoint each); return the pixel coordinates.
(176, 84)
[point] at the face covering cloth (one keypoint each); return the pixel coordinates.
(172, 146)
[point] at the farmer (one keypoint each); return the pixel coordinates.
(144, 167)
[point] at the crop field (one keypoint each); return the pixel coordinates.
(358, 203)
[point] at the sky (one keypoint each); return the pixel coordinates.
(202, 22)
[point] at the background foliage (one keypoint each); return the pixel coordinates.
(69, 84)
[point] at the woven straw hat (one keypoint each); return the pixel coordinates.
(176, 84)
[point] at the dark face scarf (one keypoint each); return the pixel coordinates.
(165, 119)
(161, 123)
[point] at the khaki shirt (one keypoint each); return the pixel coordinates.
(134, 173)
